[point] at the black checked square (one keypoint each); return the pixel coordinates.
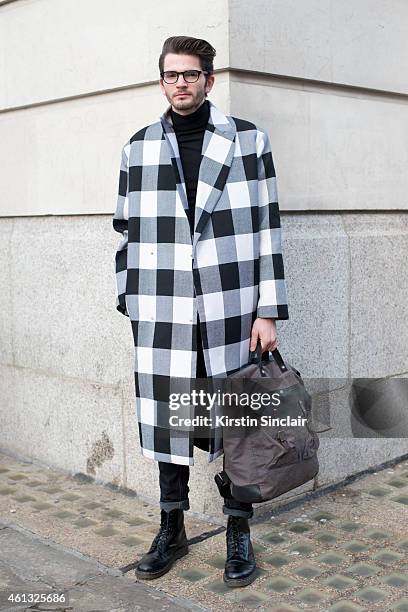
(166, 229)
(278, 269)
(162, 335)
(268, 165)
(162, 440)
(222, 223)
(161, 388)
(135, 178)
(134, 229)
(273, 212)
(123, 180)
(232, 330)
(132, 281)
(229, 274)
(165, 282)
(222, 178)
(250, 166)
(165, 178)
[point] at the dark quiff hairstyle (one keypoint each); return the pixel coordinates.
(189, 46)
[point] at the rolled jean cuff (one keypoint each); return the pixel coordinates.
(238, 512)
(184, 504)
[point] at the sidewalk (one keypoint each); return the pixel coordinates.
(345, 551)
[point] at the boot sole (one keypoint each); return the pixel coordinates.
(152, 575)
(239, 582)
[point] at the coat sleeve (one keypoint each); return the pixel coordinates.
(120, 224)
(272, 302)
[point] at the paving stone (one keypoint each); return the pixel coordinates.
(326, 538)
(131, 541)
(282, 608)
(194, 574)
(345, 606)
(302, 549)
(371, 594)
(401, 499)
(34, 483)
(280, 584)
(377, 534)
(403, 543)
(250, 598)
(84, 522)
(7, 491)
(70, 496)
(401, 605)
(307, 571)
(396, 580)
(299, 527)
(258, 548)
(397, 483)
(3, 470)
(339, 582)
(363, 569)
(24, 498)
(52, 490)
(355, 546)
(92, 505)
(277, 559)
(135, 520)
(64, 514)
(16, 476)
(379, 492)
(106, 532)
(218, 586)
(322, 515)
(273, 538)
(332, 558)
(388, 556)
(114, 513)
(41, 505)
(217, 561)
(349, 526)
(311, 596)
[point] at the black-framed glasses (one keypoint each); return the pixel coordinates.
(190, 76)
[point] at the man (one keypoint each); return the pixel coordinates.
(200, 275)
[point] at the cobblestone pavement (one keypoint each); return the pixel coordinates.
(346, 551)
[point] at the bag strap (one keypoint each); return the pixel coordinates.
(256, 357)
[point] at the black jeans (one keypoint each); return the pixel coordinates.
(173, 477)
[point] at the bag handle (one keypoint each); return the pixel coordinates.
(256, 357)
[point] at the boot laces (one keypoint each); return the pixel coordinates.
(160, 540)
(236, 539)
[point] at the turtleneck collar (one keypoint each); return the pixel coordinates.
(197, 119)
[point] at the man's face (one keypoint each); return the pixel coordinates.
(194, 93)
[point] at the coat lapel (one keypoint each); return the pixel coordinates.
(216, 158)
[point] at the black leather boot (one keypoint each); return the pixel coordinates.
(240, 566)
(169, 544)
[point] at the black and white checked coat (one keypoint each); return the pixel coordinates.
(230, 272)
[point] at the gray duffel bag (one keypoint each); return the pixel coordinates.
(262, 462)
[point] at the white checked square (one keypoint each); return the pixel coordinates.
(267, 293)
(217, 360)
(144, 359)
(148, 255)
(237, 151)
(265, 242)
(151, 152)
(182, 257)
(183, 309)
(206, 253)
(218, 148)
(180, 212)
(244, 246)
(263, 195)
(238, 194)
(147, 307)
(247, 298)
(148, 203)
(180, 363)
(147, 411)
(202, 195)
(213, 306)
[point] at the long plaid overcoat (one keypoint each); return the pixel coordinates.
(230, 272)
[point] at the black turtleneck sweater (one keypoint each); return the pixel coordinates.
(189, 131)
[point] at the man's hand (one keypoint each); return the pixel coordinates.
(265, 330)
